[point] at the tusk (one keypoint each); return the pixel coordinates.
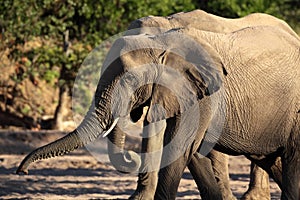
(105, 133)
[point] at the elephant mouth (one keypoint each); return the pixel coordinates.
(106, 132)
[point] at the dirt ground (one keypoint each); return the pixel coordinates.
(79, 175)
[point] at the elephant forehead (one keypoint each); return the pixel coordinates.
(136, 50)
(141, 41)
(140, 58)
(174, 39)
(131, 51)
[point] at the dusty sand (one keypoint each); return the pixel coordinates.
(79, 175)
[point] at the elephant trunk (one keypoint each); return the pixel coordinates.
(124, 161)
(97, 121)
(88, 131)
(57, 148)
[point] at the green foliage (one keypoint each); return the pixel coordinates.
(26, 109)
(239, 8)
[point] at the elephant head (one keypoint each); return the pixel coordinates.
(168, 72)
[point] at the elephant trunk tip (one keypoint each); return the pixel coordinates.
(23, 167)
(126, 163)
(22, 170)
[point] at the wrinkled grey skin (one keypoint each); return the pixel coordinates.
(236, 138)
(259, 182)
(262, 103)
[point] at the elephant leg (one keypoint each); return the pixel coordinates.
(291, 165)
(146, 186)
(272, 165)
(169, 178)
(259, 186)
(180, 146)
(151, 155)
(291, 171)
(202, 172)
(220, 167)
(175, 158)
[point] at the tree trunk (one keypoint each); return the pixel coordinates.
(62, 106)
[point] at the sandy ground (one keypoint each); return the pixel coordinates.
(79, 175)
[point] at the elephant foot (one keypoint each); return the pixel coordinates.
(257, 193)
(146, 187)
(142, 193)
(228, 195)
(225, 189)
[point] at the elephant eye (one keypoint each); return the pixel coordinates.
(130, 79)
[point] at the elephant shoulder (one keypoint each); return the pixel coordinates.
(263, 19)
(262, 39)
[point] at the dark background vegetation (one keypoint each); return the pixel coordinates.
(44, 42)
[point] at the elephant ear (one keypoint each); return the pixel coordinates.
(190, 72)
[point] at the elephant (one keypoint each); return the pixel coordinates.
(201, 73)
(202, 20)
(259, 129)
(259, 182)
